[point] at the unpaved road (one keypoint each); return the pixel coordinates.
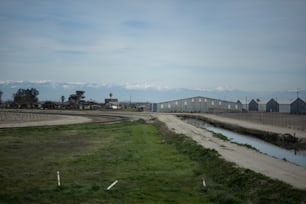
(33, 118)
(44, 120)
(242, 156)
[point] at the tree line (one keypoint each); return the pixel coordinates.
(28, 98)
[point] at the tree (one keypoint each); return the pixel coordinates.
(110, 95)
(76, 98)
(80, 94)
(26, 96)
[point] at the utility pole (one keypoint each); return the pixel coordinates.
(297, 101)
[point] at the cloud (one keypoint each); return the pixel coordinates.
(223, 88)
(194, 44)
(4, 82)
(41, 81)
(143, 86)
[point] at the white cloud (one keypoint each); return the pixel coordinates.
(223, 88)
(41, 81)
(143, 86)
(4, 82)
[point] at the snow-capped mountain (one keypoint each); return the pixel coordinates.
(49, 90)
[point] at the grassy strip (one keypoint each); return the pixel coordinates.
(220, 136)
(90, 157)
(224, 138)
(152, 165)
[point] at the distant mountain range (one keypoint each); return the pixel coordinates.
(53, 91)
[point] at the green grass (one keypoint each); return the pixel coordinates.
(224, 138)
(152, 165)
(220, 136)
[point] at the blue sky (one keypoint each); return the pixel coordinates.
(248, 45)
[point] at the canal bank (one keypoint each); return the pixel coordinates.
(240, 155)
(296, 157)
(286, 138)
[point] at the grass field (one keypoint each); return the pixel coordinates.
(151, 164)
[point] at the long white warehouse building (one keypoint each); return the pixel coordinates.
(198, 104)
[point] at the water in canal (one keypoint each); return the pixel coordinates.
(298, 158)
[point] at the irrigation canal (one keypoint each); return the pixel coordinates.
(298, 157)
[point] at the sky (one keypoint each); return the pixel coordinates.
(198, 44)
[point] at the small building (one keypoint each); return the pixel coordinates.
(112, 103)
(253, 105)
(272, 106)
(90, 105)
(257, 105)
(50, 105)
(298, 107)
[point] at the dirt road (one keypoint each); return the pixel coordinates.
(242, 156)
(33, 118)
(27, 120)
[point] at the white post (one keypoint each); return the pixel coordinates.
(114, 183)
(58, 179)
(204, 184)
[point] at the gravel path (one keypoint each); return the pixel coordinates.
(242, 156)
